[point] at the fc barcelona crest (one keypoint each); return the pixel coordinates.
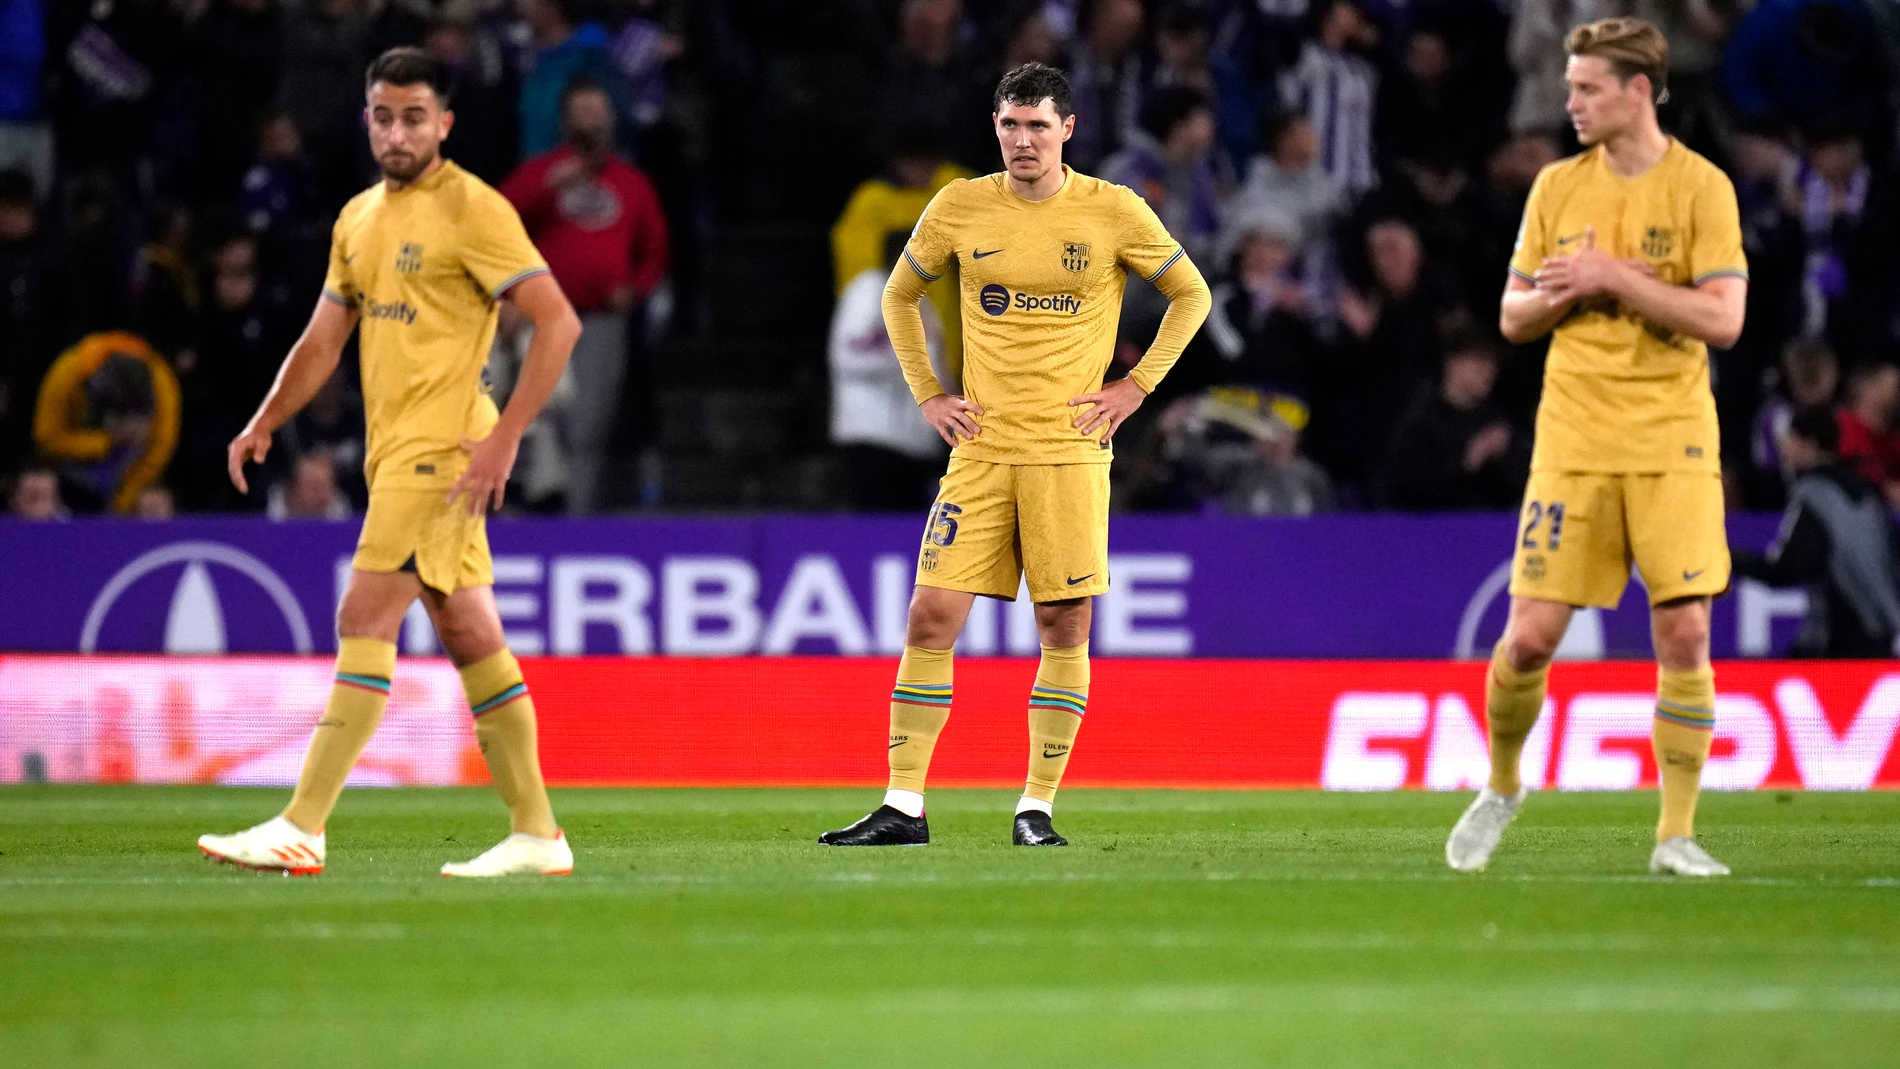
(409, 259)
(1657, 241)
(1075, 256)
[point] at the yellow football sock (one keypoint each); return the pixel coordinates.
(1681, 733)
(504, 728)
(1056, 704)
(920, 706)
(1512, 702)
(364, 667)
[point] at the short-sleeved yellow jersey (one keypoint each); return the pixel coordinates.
(1621, 394)
(425, 266)
(1042, 297)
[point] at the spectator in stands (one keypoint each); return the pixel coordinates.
(1536, 51)
(1805, 61)
(567, 48)
(1184, 56)
(1868, 438)
(1837, 539)
(1029, 37)
(155, 503)
(892, 203)
(26, 138)
(1827, 193)
(109, 412)
(1170, 162)
(1337, 88)
(1287, 176)
(332, 423)
(166, 297)
(930, 74)
(487, 135)
(597, 220)
(891, 453)
(1106, 76)
(1423, 109)
(279, 192)
(1237, 450)
(36, 311)
(1455, 450)
(240, 340)
(1809, 377)
(1262, 327)
(231, 53)
(35, 493)
(325, 46)
(308, 491)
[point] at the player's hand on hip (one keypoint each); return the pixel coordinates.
(1113, 404)
(952, 416)
(253, 445)
(485, 480)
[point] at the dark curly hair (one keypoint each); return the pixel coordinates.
(1033, 83)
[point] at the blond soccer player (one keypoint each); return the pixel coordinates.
(1044, 255)
(421, 261)
(1630, 257)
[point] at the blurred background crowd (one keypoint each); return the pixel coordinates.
(721, 186)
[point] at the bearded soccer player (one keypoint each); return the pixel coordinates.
(1630, 256)
(421, 260)
(1044, 255)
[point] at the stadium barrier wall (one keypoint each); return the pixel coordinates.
(1379, 586)
(820, 720)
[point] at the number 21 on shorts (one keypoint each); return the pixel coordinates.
(1551, 516)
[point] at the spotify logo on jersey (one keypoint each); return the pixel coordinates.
(994, 299)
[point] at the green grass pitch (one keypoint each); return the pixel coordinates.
(705, 927)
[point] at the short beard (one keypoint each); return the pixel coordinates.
(405, 177)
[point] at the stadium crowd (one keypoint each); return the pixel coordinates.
(1349, 173)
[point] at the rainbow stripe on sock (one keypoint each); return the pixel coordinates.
(1689, 716)
(363, 682)
(1068, 701)
(937, 694)
(519, 690)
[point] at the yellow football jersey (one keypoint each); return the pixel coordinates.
(1622, 394)
(1042, 285)
(425, 266)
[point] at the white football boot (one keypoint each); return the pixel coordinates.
(276, 845)
(1475, 837)
(519, 855)
(1683, 856)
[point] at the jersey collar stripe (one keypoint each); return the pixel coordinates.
(914, 266)
(1178, 253)
(518, 277)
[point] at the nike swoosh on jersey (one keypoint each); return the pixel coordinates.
(1572, 238)
(978, 254)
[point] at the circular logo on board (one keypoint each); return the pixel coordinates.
(994, 299)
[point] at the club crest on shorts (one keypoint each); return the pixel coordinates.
(1075, 256)
(1657, 241)
(1533, 568)
(409, 258)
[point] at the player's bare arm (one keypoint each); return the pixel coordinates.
(310, 364)
(1528, 312)
(540, 300)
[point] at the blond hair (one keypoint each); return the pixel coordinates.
(1630, 46)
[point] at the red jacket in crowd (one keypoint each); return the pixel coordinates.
(603, 235)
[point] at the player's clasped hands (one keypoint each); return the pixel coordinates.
(1588, 272)
(1113, 404)
(952, 416)
(485, 480)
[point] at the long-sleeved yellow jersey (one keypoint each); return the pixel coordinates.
(1042, 285)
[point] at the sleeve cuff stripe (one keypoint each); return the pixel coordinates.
(1725, 272)
(1528, 278)
(338, 297)
(1178, 253)
(914, 266)
(512, 280)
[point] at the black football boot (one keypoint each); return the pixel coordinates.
(884, 827)
(1033, 828)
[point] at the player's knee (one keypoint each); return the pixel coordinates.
(1528, 648)
(1063, 624)
(1682, 639)
(931, 626)
(356, 620)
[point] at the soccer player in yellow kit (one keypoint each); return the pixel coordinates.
(1631, 253)
(421, 260)
(1044, 254)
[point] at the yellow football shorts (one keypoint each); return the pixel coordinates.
(995, 523)
(1580, 531)
(417, 530)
